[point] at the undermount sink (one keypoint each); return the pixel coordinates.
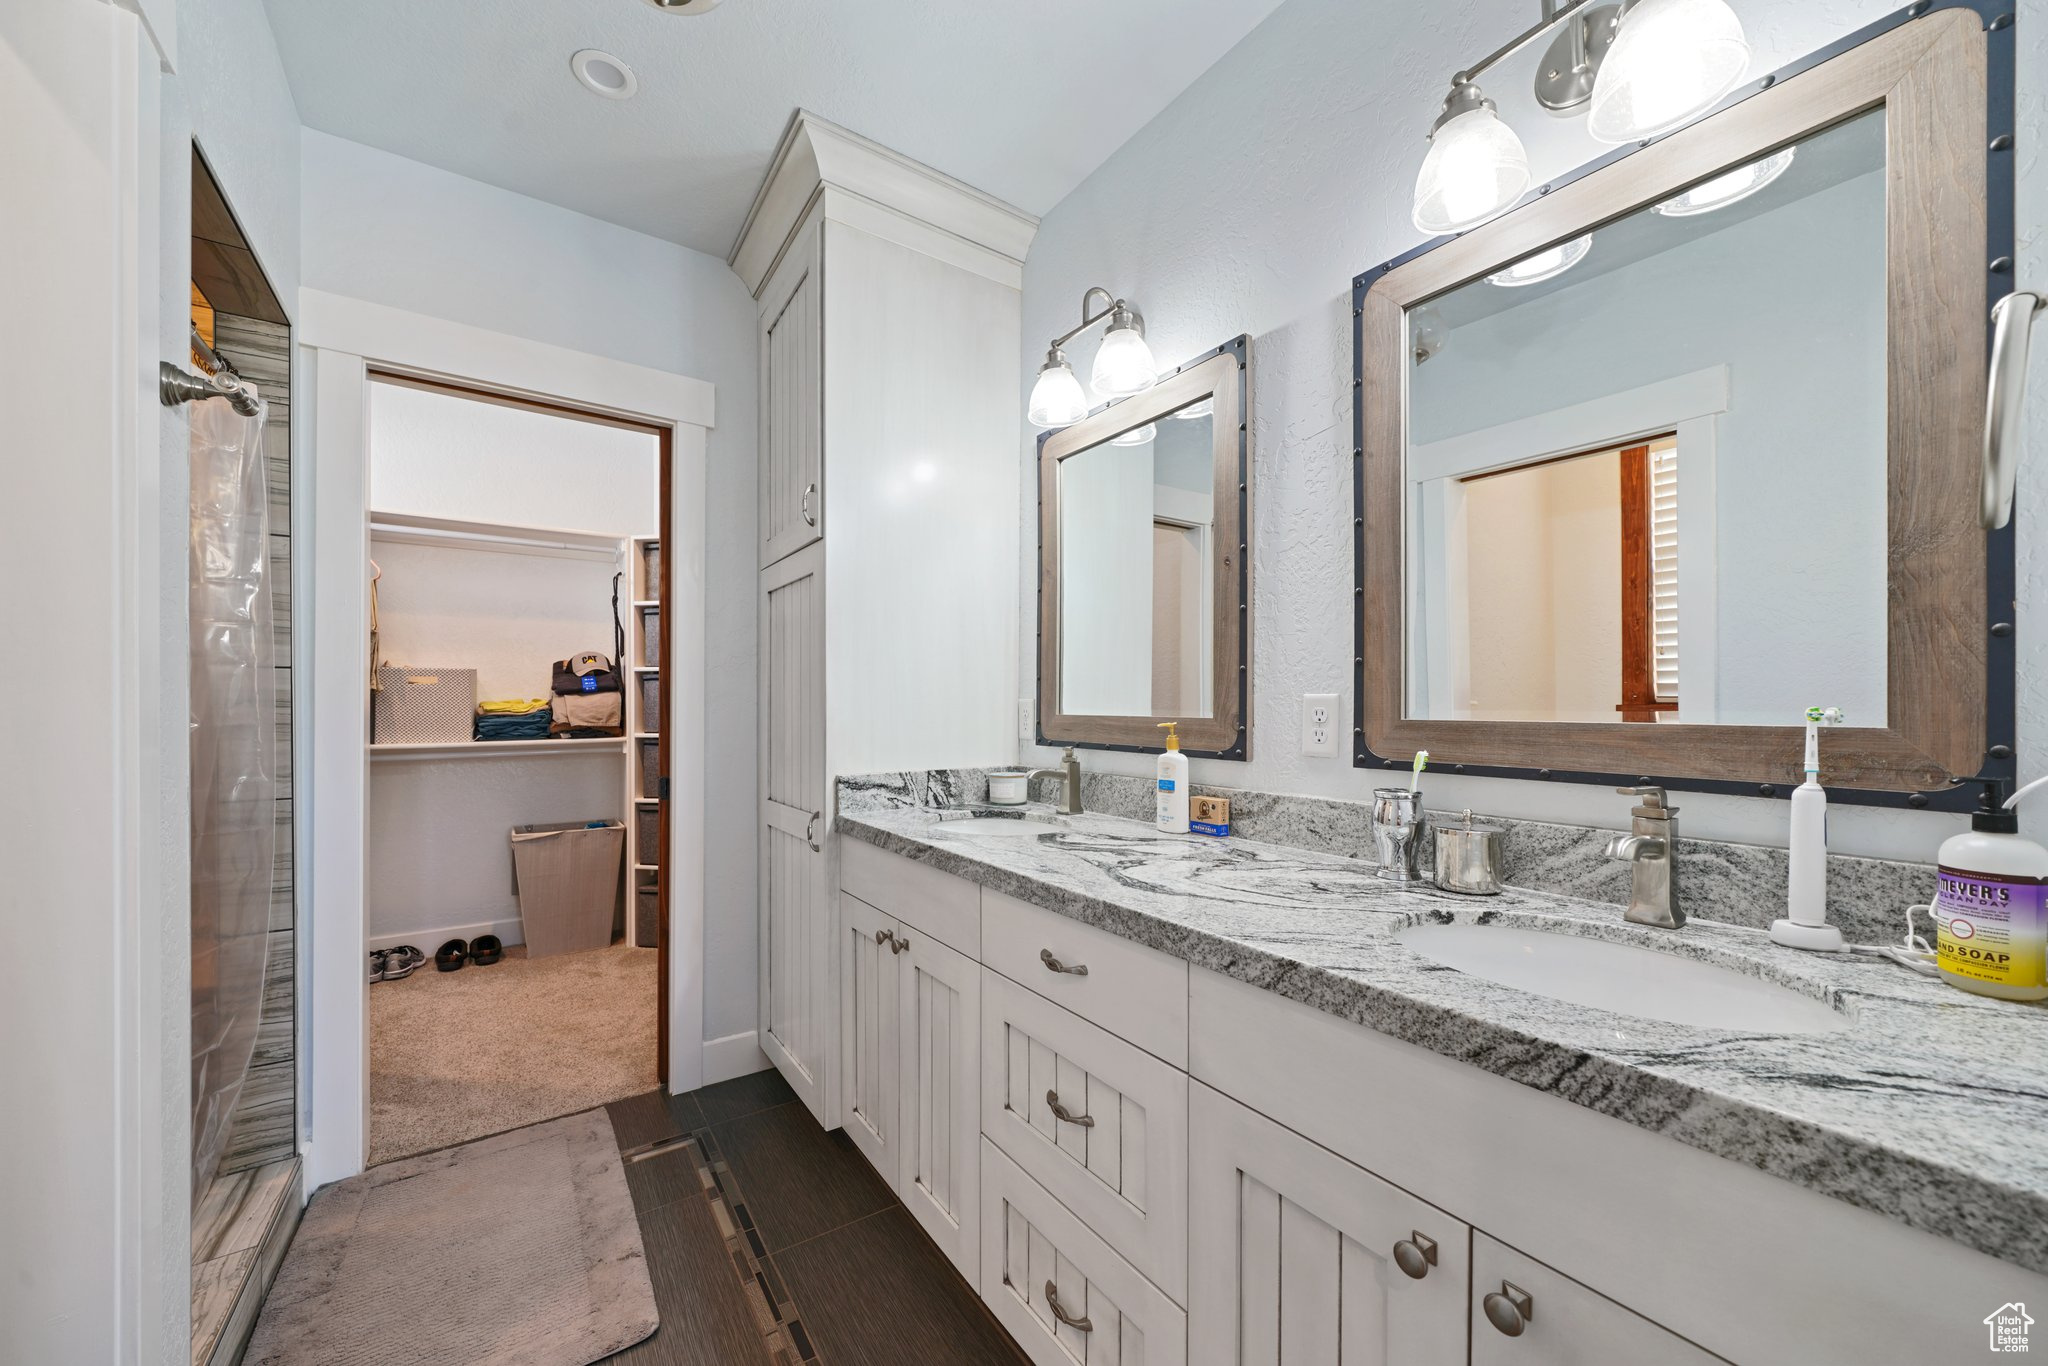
(1001, 827)
(1622, 978)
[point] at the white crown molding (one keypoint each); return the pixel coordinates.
(815, 154)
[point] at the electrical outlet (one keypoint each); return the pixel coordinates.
(1319, 723)
(1027, 719)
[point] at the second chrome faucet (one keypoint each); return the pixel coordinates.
(1651, 848)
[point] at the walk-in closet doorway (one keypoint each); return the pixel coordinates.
(493, 548)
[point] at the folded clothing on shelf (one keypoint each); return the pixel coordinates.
(516, 706)
(585, 716)
(532, 725)
(584, 674)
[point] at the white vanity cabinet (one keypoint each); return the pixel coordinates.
(888, 306)
(1525, 1314)
(1295, 1255)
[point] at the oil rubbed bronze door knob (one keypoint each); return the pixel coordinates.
(1509, 1309)
(1415, 1255)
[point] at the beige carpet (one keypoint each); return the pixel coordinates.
(458, 1055)
(520, 1249)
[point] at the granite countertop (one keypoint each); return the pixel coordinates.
(1932, 1108)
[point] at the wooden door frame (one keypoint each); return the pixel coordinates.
(346, 341)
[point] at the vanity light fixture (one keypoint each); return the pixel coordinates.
(1136, 436)
(1643, 66)
(1728, 188)
(1547, 264)
(1426, 332)
(603, 74)
(1205, 408)
(1123, 363)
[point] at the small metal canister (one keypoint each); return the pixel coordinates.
(1470, 856)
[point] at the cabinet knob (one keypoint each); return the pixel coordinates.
(1509, 1309)
(897, 943)
(1077, 970)
(1415, 1255)
(1052, 1302)
(883, 936)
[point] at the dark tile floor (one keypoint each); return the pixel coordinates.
(771, 1241)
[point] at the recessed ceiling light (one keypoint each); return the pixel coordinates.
(603, 74)
(1723, 190)
(684, 6)
(1547, 264)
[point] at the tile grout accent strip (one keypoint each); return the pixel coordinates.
(774, 1309)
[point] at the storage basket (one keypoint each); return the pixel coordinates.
(567, 880)
(647, 835)
(650, 703)
(424, 706)
(650, 573)
(647, 913)
(650, 768)
(650, 637)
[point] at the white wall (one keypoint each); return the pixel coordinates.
(392, 231)
(1249, 204)
(442, 455)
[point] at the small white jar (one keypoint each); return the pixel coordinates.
(1007, 786)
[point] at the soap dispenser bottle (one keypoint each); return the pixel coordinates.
(1172, 794)
(1991, 912)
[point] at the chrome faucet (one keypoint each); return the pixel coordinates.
(1651, 848)
(1069, 773)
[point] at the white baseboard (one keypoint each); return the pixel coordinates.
(735, 1055)
(510, 931)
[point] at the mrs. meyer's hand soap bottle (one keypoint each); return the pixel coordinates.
(1991, 914)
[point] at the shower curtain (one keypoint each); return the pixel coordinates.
(234, 763)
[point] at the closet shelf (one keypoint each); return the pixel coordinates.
(487, 749)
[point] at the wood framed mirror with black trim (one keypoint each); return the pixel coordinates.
(1144, 581)
(1693, 440)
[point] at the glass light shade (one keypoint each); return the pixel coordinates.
(1547, 264)
(1671, 61)
(1475, 168)
(1426, 332)
(1057, 399)
(1723, 190)
(1123, 364)
(1136, 436)
(1202, 408)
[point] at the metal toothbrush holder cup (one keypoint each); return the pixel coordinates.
(1397, 829)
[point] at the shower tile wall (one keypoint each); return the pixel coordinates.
(264, 1129)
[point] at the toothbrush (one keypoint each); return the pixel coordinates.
(1806, 891)
(1415, 776)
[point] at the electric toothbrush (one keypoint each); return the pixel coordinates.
(1806, 892)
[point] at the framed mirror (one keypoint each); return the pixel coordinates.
(1144, 585)
(1693, 441)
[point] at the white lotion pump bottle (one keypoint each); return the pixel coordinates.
(1806, 892)
(1172, 793)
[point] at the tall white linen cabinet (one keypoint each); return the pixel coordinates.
(891, 440)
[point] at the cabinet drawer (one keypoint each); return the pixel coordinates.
(945, 907)
(1134, 992)
(1033, 1249)
(1568, 1324)
(1119, 1158)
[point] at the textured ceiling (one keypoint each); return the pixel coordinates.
(1019, 100)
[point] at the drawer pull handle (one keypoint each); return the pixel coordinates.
(1415, 1255)
(1509, 1309)
(1052, 1302)
(1078, 970)
(897, 943)
(810, 517)
(1065, 1116)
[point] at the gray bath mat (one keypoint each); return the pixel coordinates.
(520, 1250)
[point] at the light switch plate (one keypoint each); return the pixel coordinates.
(1027, 719)
(1319, 723)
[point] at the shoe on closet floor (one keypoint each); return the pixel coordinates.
(452, 955)
(486, 949)
(400, 962)
(379, 960)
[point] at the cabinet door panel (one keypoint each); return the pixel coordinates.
(799, 1016)
(1568, 1324)
(1125, 1136)
(870, 1066)
(1032, 1241)
(939, 1031)
(1290, 1253)
(792, 403)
